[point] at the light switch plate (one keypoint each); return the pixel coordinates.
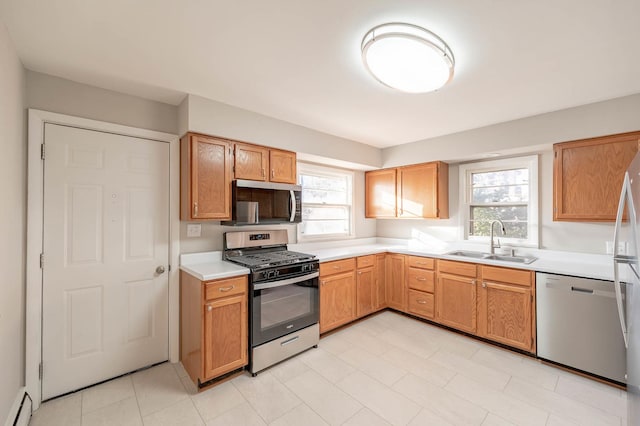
(194, 229)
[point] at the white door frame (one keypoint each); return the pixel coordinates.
(35, 215)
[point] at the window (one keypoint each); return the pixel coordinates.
(326, 202)
(501, 189)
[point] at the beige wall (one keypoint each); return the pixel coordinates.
(215, 118)
(56, 94)
(528, 135)
(13, 187)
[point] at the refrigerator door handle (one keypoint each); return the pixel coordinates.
(616, 263)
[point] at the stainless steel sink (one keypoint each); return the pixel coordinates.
(463, 253)
(479, 255)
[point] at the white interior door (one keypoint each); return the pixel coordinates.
(106, 231)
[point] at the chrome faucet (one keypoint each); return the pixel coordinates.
(492, 246)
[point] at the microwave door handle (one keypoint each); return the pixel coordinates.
(616, 260)
(292, 205)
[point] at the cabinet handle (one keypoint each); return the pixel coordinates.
(273, 173)
(336, 267)
(421, 279)
(484, 284)
(195, 209)
(324, 282)
(422, 302)
(262, 172)
(225, 289)
(473, 282)
(209, 308)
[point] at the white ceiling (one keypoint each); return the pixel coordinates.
(299, 60)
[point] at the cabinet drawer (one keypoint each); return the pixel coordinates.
(337, 266)
(223, 288)
(366, 261)
(421, 262)
(421, 303)
(457, 268)
(507, 275)
(422, 280)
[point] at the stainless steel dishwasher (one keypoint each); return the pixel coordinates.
(577, 325)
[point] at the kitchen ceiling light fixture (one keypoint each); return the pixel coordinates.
(407, 57)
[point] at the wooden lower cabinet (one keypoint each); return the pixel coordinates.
(213, 326)
(456, 297)
(380, 281)
(366, 286)
(506, 306)
(337, 294)
(395, 282)
(421, 286)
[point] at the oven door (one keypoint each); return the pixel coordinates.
(282, 307)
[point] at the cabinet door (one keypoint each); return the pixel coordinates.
(422, 191)
(225, 335)
(588, 174)
(366, 292)
(456, 302)
(380, 281)
(506, 314)
(283, 166)
(395, 280)
(250, 162)
(337, 300)
(418, 191)
(380, 193)
(206, 178)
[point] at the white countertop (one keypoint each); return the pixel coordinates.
(551, 261)
(209, 265)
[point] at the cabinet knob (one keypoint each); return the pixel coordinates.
(209, 308)
(473, 282)
(195, 209)
(273, 173)
(484, 284)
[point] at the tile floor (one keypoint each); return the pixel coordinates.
(388, 369)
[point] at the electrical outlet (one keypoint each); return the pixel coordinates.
(609, 247)
(622, 247)
(194, 229)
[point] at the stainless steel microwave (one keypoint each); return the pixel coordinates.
(255, 202)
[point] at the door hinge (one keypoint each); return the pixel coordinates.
(41, 260)
(42, 151)
(40, 371)
(532, 298)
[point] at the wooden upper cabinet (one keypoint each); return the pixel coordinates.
(588, 174)
(255, 162)
(380, 190)
(205, 169)
(417, 191)
(423, 191)
(250, 162)
(282, 165)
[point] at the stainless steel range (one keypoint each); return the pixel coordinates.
(283, 295)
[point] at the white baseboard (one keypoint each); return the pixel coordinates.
(20, 412)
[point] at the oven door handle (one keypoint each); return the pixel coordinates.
(288, 281)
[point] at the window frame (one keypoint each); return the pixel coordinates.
(316, 169)
(533, 213)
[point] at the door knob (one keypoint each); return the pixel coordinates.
(160, 270)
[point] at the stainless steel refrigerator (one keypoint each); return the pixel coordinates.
(627, 275)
